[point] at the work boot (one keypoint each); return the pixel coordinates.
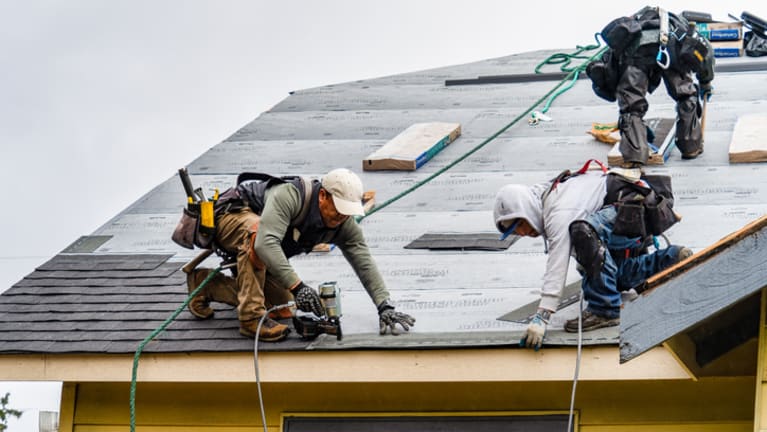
(589, 252)
(220, 288)
(271, 330)
(590, 321)
(692, 154)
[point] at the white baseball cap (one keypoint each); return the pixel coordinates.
(346, 189)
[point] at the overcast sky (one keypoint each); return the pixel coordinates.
(101, 100)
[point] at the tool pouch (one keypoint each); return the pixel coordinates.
(641, 211)
(692, 51)
(621, 32)
(630, 221)
(191, 232)
(604, 76)
(659, 216)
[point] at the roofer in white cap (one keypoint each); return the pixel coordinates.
(264, 221)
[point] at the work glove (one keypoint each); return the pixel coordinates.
(388, 318)
(308, 300)
(705, 90)
(536, 330)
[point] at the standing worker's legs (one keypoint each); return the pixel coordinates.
(689, 134)
(234, 234)
(631, 90)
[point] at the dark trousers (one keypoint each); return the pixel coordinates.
(634, 83)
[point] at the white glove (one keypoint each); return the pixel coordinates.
(536, 330)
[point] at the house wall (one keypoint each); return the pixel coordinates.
(760, 403)
(714, 404)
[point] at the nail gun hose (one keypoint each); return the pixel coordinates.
(154, 334)
(255, 357)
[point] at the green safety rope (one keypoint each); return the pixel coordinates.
(573, 73)
(554, 59)
(154, 334)
(565, 59)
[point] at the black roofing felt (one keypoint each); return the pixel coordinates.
(111, 288)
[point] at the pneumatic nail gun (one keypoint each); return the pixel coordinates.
(309, 325)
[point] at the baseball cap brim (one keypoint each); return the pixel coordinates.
(348, 208)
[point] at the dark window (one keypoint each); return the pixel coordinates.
(519, 423)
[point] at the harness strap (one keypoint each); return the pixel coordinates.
(308, 186)
(585, 166)
(566, 174)
(663, 59)
(664, 26)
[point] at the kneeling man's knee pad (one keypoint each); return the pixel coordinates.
(589, 251)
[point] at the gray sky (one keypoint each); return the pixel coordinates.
(102, 100)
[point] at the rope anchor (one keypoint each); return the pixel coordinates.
(537, 117)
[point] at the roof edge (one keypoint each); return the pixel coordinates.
(502, 364)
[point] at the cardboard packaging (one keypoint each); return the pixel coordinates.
(727, 48)
(721, 31)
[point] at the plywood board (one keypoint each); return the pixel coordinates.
(748, 142)
(413, 147)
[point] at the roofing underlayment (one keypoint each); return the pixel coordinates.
(110, 289)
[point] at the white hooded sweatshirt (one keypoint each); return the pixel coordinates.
(572, 200)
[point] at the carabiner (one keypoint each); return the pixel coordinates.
(663, 52)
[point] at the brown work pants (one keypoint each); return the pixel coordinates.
(256, 291)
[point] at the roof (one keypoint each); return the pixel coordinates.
(109, 289)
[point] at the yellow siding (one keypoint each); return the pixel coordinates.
(760, 402)
(672, 405)
(697, 427)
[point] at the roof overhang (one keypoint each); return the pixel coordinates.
(465, 365)
(702, 311)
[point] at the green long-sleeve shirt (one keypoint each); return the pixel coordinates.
(282, 205)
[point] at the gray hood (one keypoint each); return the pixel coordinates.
(521, 201)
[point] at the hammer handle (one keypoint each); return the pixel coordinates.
(191, 265)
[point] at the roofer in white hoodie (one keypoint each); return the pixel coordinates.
(574, 219)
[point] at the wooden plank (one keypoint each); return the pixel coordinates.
(748, 143)
(413, 147)
(691, 292)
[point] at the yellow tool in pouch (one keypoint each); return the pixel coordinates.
(207, 219)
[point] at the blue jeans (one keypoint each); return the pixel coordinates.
(620, 273)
